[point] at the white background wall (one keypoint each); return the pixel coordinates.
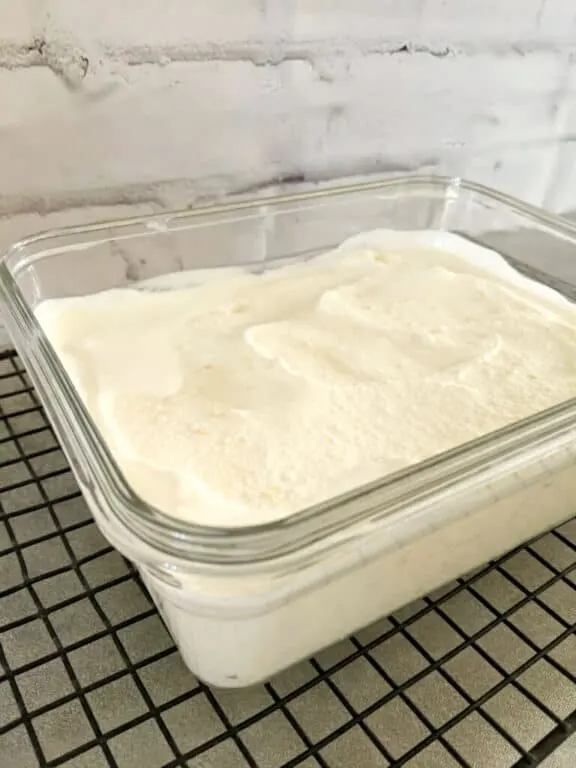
(153, 101)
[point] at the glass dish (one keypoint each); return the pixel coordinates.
(243, 604)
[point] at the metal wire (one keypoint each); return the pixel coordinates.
(480, 674)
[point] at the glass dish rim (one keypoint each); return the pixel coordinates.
(387, 497)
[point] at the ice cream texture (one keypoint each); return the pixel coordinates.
(232, 397)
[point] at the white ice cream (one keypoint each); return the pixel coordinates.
(244, 398)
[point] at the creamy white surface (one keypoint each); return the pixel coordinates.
(248, 397)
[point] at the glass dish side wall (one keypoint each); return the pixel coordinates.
(86, 260)
(238, 625)
(236, 632)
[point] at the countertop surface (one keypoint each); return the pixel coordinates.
(481, 674)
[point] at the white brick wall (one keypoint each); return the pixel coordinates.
(17, 21)
(155, 100)
(148, 103)
(153, 24)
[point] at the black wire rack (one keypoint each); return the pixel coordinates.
(480, 674)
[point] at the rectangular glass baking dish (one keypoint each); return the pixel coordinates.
(243, 604)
